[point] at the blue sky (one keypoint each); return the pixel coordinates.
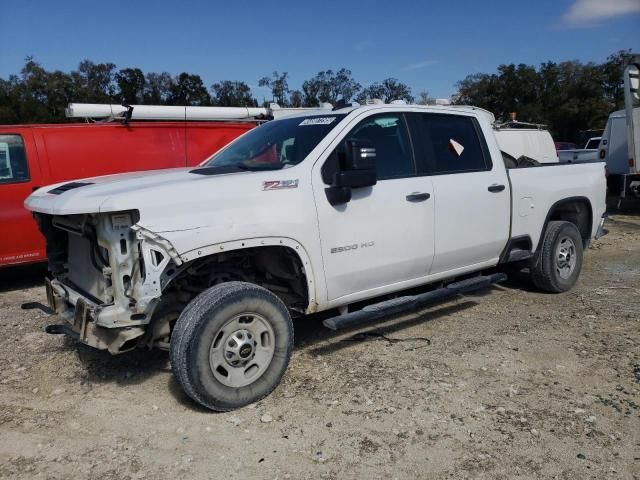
(427, 44)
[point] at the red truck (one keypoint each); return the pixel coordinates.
(32, 156)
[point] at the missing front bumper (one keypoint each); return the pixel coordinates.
(79, 324)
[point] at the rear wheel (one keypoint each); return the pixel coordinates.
(558, 261)
(231, 345)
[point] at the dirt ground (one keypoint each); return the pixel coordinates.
(507, 384)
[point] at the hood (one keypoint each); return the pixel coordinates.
(116, 192)
(193, 210)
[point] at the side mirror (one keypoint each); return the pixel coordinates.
(356, 169)
(360, 156)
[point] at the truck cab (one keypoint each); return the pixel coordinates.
(308, 213)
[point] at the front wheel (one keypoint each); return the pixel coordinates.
(231, 345)
(556, 265)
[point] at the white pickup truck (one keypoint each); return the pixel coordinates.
(587, 154)
(309, 213)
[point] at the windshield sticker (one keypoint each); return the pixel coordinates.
(279, 184)
(455, 147)
(317, 121)
(386, 122)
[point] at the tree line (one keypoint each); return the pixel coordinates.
(569, 96)
(37, 95)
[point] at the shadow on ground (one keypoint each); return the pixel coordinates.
(21, 277)
(128, 368)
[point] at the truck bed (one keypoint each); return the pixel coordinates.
(536, 189)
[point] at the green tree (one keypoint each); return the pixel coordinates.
(612, 71)
(296, 99)
(227, 93)
(424, 98)
(30, 93)
(189, 89)
(388, 90)
(330, 87)
(94, 82)
(569, 97)
(279, 85)
(8, 113)
(158, 88)
(131, 83)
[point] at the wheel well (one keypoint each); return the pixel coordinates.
(575, 210)
(276, 268)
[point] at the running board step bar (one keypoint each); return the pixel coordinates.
(411, 302)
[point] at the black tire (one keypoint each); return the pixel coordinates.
(545, 271)
(204, 320)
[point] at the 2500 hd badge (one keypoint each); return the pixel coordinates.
(346, 248)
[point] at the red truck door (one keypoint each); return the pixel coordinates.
(20, 240)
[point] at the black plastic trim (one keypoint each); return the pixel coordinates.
(504, 256)
(214, 170)
(411, 302)
(68, 186)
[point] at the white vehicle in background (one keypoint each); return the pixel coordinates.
(587, 154)
(313, 212)
(620, 145)
(518, 139)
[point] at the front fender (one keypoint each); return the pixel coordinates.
(294, 245)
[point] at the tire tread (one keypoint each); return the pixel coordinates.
(190, 320)
(542, 268)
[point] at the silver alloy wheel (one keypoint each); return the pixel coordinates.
(565, 257)
(242, 350)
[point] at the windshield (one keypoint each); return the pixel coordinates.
(276, 144)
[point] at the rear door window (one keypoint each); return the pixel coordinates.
(452, 144)
(13, 159)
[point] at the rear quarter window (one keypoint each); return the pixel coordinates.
(13, 159)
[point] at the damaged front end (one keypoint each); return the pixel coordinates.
(106, 278)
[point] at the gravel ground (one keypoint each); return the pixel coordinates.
(510, 383)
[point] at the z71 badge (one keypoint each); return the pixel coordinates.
(279, 184)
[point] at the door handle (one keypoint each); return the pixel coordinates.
(495, 188)
(418, 197)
